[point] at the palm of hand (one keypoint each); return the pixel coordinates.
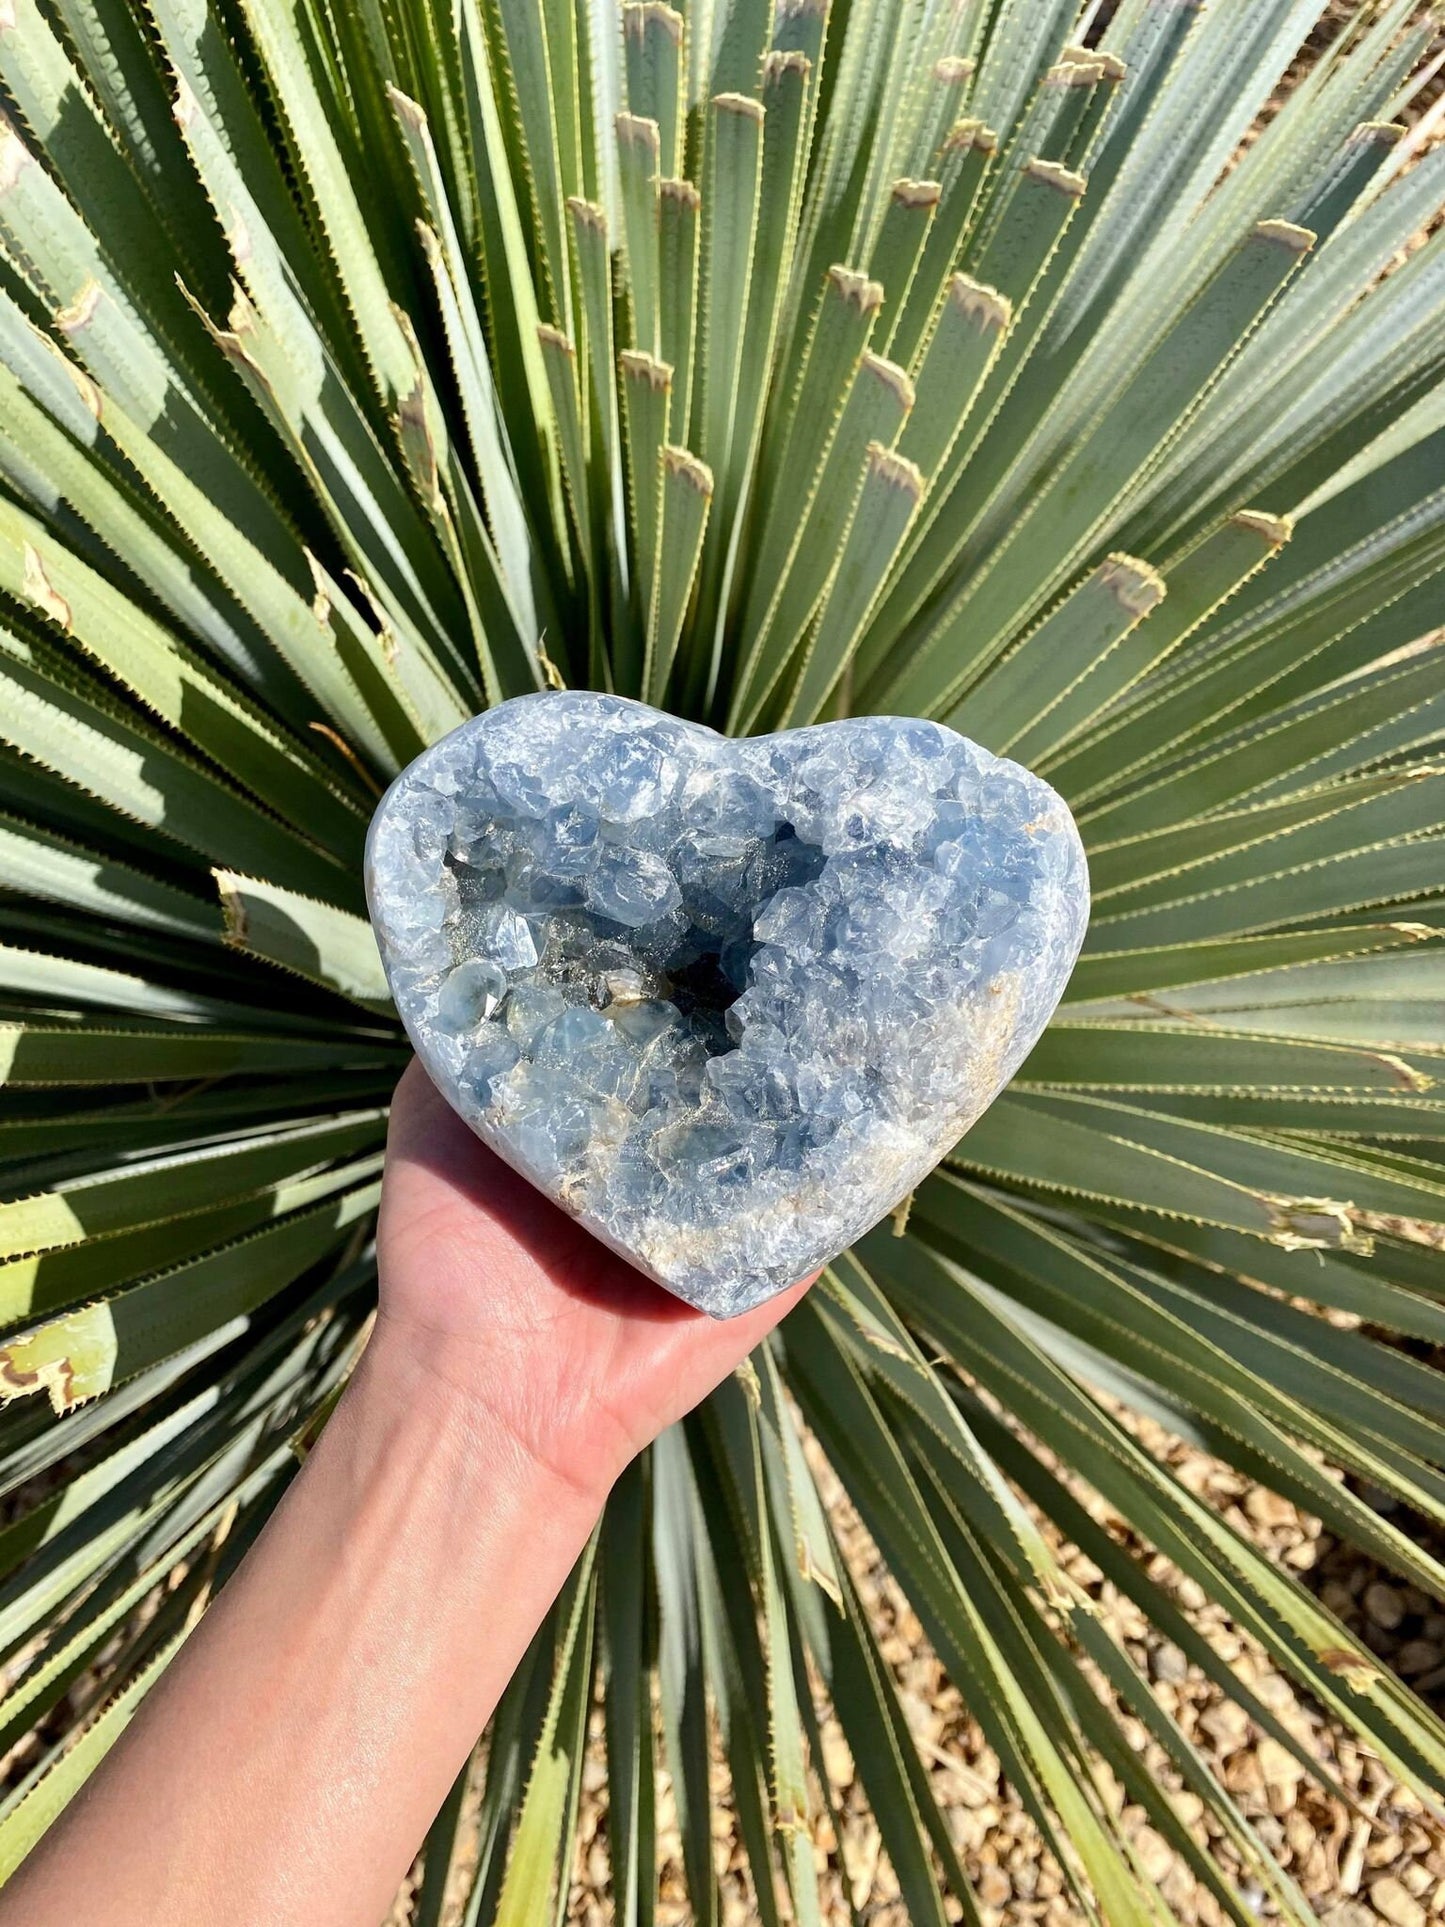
(576, 1354)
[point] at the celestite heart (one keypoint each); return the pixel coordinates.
(727, 1001)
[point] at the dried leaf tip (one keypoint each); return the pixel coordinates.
(1286, 234)
(965, 134)
(639, 15)
(1378, 133)
(82, 384)
(1276, 529)
(587, 214)
(865, 295)
(1405, 1074)
(687, 468)
(236, 924)
(38, 589)
(551, 337)
(407, 111)
(70, 1359)
(14, 157)
(683, 192)
(1132, 583)
(984, 307)
(917, 193)
(1114, 68)
(637, 130)
(790, 10)
(778, 61)
(742, 105)
(79, 312)
(1302, 1224)
(895, 471)
(1086, 71)
(185, 106)
(954, 69)
(551, 674)
(890, 374)
(321, 587)
(641, 366)
(1053, 175)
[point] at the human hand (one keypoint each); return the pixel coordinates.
(494, 1291)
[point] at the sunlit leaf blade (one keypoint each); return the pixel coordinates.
(1066, 372)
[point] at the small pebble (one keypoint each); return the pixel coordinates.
(1418, 1656)
(1278, 1765)
(1154, 1852)
(1268, 1509)
(1384, 1606)
(993, 1887)
(1227, 1724)
(1395, 1903)
(1168, 1662)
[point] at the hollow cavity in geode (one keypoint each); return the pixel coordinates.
(727, 1001)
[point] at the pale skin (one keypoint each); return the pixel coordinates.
(288, 1763)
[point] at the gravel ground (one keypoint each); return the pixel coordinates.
(1383, 1861)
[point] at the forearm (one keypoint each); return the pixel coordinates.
(287, 1766)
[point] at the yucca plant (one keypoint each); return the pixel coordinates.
(1036, 368)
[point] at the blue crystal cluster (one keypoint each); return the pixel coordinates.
(727, 1001)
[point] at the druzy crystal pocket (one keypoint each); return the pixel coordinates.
(727, 1001)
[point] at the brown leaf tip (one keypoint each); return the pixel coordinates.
(641, 366)
(984, 307)
(1276, 529)
(1132, 583)
(185, 106)
(407, 111)
(551, 337)
(865, 295)
(967, 134)
(890, 374)
(1357, 1670)
(685, 467)
(80, 312)
(1084, 72)
(895, 471)
(639, 15)
(638, 131)
(84, 387)
(916, 193)
(1052, 174)
(1286, 234)
(743, 105)
(1378, 133)
(233, 908)
(779, 61)
(39, 589)
(15, 156)
(587, 214)
(954, 69)
(683, 192)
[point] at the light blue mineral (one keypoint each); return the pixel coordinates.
(726, 1001)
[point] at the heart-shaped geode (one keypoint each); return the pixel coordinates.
(727, 1001)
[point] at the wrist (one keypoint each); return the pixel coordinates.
(417, 1384)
